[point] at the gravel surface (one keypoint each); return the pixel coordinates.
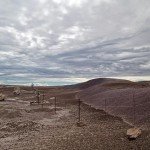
(25, 127)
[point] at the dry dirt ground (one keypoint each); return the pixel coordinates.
(31, 127)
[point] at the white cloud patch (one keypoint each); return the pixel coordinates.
(73, 39)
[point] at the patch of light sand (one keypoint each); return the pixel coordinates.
(55, 119)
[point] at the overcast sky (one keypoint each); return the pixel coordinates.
(67, 41)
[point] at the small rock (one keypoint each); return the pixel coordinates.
(133, 133)
(17, 91)
(2, 97)
(80, 124)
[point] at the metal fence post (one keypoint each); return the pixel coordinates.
(43, 100)
(55, 104)
(38, 97)
(79, 110)
(105, 106)
(133, 96)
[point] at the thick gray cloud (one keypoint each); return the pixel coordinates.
(66, 41)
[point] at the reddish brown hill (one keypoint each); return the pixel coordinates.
(98, 81)
(119, 97)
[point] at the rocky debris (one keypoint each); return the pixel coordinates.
(2, 97)
(17, 91)
(44, 110)
(133, 133)
(20, 126)
(34, 103)
(80, 124)
(9, 113)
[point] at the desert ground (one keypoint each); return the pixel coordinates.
(40, 127)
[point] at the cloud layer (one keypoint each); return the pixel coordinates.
(67, 41)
